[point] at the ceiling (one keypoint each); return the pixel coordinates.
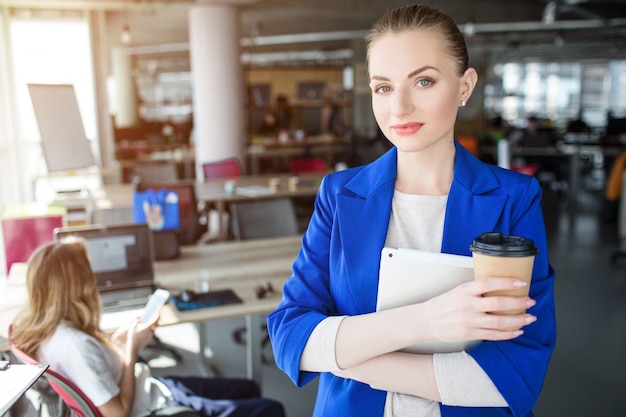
(330, 28)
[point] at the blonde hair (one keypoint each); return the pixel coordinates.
(61, 288)
(419, 17)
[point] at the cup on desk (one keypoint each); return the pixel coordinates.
(499, 255)
(292, 183)
(229, 187)
(201, 281)
(274, 184)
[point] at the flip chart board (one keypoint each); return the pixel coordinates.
(65, 145)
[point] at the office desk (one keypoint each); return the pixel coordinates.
(15, 381)
(327, 147)
(211, 192)
(239, 265)
(570, 152)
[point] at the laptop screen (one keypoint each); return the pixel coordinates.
(121, 256)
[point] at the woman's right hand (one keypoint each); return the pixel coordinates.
(465, 313)
(138, 336)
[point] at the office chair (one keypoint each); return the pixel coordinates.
(111, 216)
(225, 168)
(73, 398)
(307, 165)
(156, 172)
(264, 218)
(192, 225)
(54, 404)
(257, 219)
(26, 226)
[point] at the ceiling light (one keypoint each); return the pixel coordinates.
(125, 36)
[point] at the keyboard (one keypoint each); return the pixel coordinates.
(125, 299)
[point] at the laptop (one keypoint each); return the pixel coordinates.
(122, 259)
(409, 276)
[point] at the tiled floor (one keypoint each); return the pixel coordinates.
(587, 375)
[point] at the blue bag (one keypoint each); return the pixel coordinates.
(159, 209)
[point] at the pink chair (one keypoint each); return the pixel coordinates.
(225, 168)
(26, 227)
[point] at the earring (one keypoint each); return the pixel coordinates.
(463, 103)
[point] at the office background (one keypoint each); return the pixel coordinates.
(554, 59)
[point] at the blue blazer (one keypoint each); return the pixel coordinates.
(336, 273)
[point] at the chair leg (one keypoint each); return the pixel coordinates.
(157, 345)
(239, 337)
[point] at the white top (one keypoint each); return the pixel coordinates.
(416, 223)
(96, 369)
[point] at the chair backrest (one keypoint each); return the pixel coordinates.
(111, 216)
(71, 395)
(27, 226)
(225, 168)
(307, 165)
(156, 171)
(264, 218)
(190, 229)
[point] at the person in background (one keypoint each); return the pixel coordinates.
(60, 326)
(270, 126)
(430, 194)
(578, 125)
(537, 133)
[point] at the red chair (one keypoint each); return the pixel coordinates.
(79, 404)
(225, 168)
(69, 393)
(25, 227)
(307, 165)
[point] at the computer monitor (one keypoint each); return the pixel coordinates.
(122, 256)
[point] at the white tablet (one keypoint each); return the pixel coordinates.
(409, 276)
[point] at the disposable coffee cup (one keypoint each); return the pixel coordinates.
(499, 255)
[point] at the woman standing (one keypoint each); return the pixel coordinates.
(60, 327)
(426, 193)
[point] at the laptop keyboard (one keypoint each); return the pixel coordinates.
(125, 299)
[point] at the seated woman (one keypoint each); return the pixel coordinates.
(60, 326)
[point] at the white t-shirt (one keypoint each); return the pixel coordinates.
(96, 369)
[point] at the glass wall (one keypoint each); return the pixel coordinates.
(557, 91)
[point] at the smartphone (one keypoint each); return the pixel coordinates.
(154, 305)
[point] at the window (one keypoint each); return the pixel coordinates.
(48, 51)
(557, 91)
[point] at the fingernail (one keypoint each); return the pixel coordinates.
(530, 303)
(518, 333)
(530, 319)
(519, 283)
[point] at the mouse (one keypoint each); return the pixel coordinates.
(187, 295)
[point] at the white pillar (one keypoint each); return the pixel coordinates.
(125, 95)
(217, 77)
